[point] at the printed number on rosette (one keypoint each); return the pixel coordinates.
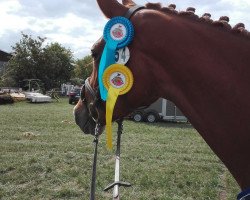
(122, 55)
(118, 33)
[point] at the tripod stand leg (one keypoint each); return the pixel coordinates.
(117, 183)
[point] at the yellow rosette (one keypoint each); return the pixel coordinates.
(118, 80)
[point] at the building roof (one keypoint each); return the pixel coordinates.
(4, 56)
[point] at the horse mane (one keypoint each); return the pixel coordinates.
(154, 6)
(189, 14)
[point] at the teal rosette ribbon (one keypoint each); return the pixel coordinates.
(118, 33)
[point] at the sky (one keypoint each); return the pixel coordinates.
(77, 24)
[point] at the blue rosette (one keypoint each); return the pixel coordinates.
(118, 25)
(118, 33)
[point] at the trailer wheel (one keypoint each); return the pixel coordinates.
(137, 116)
(152, 117)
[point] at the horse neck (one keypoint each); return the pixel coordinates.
(191, 51)
(205, 71)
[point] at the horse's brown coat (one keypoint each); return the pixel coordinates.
(204, 69)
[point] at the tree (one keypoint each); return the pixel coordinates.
(52, 64)
(58, 63)
(83, 67)
(5, 78)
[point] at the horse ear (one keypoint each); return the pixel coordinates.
(112, 8)
(128, 3)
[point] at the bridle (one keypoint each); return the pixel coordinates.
(96, 98)
(87, 85)
(94, 95)
(90, 89)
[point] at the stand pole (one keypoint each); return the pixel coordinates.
(117, 183)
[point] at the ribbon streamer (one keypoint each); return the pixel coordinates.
(108, 58)
(110, 104)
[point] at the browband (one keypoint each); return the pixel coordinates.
(132, 10)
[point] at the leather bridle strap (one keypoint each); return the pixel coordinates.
(93, 177)
(133, 10)
(90, 89)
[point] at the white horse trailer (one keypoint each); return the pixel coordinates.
(162, 109)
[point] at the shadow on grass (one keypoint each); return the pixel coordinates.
(168, 124)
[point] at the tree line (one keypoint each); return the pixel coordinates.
(52, 63)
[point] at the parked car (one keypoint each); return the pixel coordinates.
(74, 95)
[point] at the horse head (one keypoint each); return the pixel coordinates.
(91, 108)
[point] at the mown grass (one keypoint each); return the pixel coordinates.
(45, 156)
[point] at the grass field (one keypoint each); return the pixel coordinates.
(45, 156)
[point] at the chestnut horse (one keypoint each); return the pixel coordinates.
(204, 69)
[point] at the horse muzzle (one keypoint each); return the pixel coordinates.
(84, 119)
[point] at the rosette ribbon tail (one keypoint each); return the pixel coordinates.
(108, 58)
(110, 104)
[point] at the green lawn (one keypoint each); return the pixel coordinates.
(45, 156)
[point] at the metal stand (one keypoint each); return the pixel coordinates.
(117, 183)
(93, 179)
